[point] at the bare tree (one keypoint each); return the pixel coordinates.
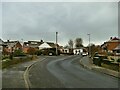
(66, 46)
(78, 42)
(70, 43)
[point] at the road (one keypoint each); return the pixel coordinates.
(66, 72)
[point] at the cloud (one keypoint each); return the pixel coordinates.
(35, 21)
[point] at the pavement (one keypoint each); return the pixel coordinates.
(86, 62)
(13, 77)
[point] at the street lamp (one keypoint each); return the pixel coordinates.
(56, 43)
(89, 45)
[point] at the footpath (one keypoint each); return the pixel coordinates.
(13, 77)
(86, 62)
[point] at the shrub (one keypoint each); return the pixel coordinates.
(118, 60)
(11, 56)
(5, 57)
(31, 51)
(18, 53)
(39, 52)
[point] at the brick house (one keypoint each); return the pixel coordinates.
(34, 45)
(117, 50)
(11, 46)
(110, 45)
(31, 45)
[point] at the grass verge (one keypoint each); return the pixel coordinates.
(7, 62)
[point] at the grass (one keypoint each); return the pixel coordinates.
(111, 66)
(7, 62)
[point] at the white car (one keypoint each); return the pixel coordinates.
(84, 54)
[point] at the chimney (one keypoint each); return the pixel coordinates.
(111, 38)
(8, 40)
(41, 41)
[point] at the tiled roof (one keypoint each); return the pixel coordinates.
(1, 41)
(115, 39)
(38, 43)
(11, 43)
(32, 44)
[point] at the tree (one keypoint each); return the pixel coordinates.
(66, 46)
(93, 49)
(18, 53)
(78, 42)
(31, 51)
(70, 43)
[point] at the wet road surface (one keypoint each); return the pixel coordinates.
(66, 72)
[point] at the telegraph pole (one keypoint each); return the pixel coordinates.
(89, 46)
(56, 43)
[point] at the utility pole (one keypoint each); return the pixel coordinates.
(56, 43)
(89, 45)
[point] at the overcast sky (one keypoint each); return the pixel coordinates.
(40, 20)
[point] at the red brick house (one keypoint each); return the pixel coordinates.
(110, 45)
(31, 45)
(11, 46)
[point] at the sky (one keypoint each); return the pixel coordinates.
(40, 20)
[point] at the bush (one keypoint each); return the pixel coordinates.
(5, 57)
(39, 52)
(118, 60)
(18, 53)
(11, 56)
(17, 60)
(31, 51)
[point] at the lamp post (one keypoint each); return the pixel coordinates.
(89, 45)
(56, 43)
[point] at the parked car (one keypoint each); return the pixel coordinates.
(84, 54)
(49, 51)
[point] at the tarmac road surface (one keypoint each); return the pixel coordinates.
(66, 72)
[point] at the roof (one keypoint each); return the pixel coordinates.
(51, 44)
(11, 43)
(32, 44)
(39, 43)
(115, 39)
(112, 40)
(1, 41)
(44, 45)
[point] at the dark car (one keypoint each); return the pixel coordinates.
(49, 51)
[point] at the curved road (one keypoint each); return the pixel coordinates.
(66, 72)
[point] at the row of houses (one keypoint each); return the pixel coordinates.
(7, 47)
(109, 47)
(10, 46)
